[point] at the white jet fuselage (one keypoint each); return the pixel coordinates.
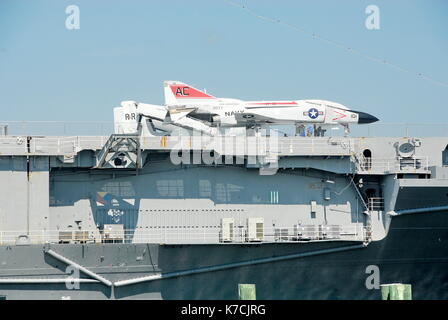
(231, 112)
(189, 108)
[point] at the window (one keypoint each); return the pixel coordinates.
(170, 188)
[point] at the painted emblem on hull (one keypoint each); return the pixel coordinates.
(115, 214)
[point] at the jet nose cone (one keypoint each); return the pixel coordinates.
(365, 117)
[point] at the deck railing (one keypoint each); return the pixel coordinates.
(375, 204)
(90, 128)
(190, 235)
(392, 165)
(236, 145)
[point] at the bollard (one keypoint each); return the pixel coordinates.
(396, 291)
(247, 292)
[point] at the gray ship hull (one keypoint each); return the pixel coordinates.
(321, 218)
(414, 252)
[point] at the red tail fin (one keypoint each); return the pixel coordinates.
(175, 90)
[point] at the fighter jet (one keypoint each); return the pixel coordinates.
(192, 109)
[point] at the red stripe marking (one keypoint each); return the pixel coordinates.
(342, 115)
(274, 103)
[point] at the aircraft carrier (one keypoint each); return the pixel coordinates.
(130, 217)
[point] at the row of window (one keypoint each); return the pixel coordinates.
(192, 210)
(177, 227)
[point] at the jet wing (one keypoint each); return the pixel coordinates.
(252, 118)
(177, 113)
(179, 117)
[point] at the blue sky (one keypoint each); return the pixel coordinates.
(125, 49)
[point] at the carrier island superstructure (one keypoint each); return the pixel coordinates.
(130, 217)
